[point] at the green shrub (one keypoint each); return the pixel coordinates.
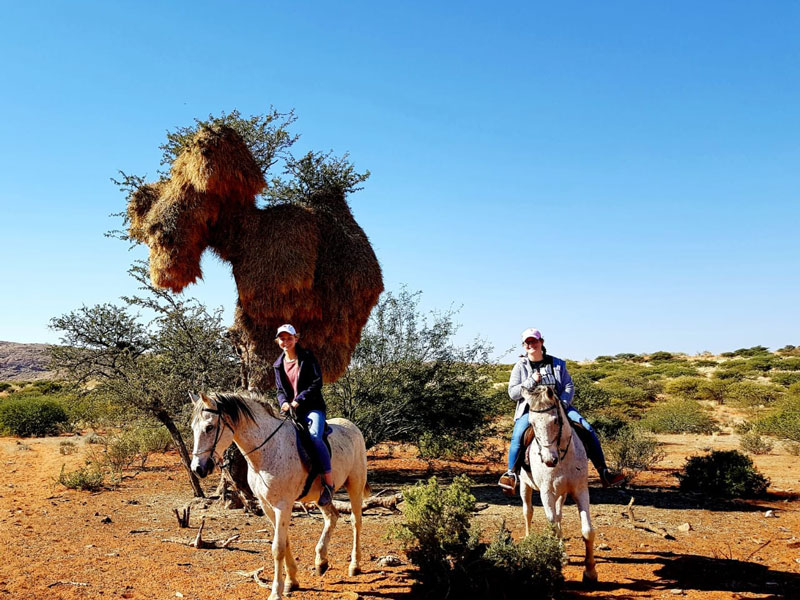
(589, 397)
(531, 567)
(764, 363)
(687, 388)
(436, 532)
(792, 448)
(634, 450)
(705, 362)
(135, 445)
(440, 540)
(88, 478)
(661, 355)
(753, 443)
(783, 421)
(754, 351)
(750, 393)
(5, 386)
(678, 416)
(672, 370)
(736, 370)
(31, 416)
(785, 379)
(723, 474)
(789, 364)
(608, 427)
(629, 392)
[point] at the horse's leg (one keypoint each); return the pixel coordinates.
(526, 493)
(290, 565)
(331, 515)
(548, 497)
(355, 490)
(587, 531)
(279, 547)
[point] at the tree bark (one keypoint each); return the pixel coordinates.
(167, 421)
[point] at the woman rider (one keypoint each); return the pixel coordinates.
(534, 368)
(298, 379)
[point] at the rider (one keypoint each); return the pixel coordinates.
(534, 368)
(298, 379)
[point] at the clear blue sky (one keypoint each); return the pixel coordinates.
(622, 175)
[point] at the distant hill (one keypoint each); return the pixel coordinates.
(24, 362)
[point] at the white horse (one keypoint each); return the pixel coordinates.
(276, 473)
(558, 468)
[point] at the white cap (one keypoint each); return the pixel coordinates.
(286, 329)
(531, 333)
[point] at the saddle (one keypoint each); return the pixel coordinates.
(307, 451)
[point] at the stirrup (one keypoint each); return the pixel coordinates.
(326, 495)
(610, 479)
(508, 483)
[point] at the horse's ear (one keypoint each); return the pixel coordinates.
(194, 398)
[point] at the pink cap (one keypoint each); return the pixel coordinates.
(531, 333)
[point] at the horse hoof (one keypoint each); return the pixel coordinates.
(354, 570)
(321, 568)
(290, 586)
(589, 578)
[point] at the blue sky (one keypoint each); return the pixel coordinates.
(622, 175)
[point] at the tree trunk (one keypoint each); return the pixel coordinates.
(165, 419)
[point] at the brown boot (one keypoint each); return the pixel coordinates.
(611, 479)
(508, 483)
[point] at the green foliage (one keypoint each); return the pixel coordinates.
(606, 426)
(88, 478)
(753, 443)
(723, 474)
(789, 364)
(754, 351)
(705, 362)
(436, 531)
(589, 397)
(789, 350)
(736, 370)
(687, 388)
(785, 379)
(5, 386)
(407, 381)
(671, 369)
(31, 416)
(530, 569)
(634, 450)
(661, 356)
(678, 416)
(440, 541)
(629, 393)
(750, 393)
(783, 421)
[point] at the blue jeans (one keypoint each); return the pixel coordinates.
(579, 425)
(316, 427)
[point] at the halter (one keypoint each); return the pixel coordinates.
(218, 434)
(555, 406)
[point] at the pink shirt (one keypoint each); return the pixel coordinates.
(292, 368)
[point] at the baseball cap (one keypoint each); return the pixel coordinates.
(531, 333)
(286, 329)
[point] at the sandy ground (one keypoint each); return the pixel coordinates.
(60, 543)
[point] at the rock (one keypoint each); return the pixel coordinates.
(389, 561)
(686, 527)
(603, 547)
(676, 592)
(770, 514)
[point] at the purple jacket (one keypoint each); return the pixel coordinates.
(554, 372)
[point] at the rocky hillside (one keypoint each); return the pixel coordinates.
(23, 362)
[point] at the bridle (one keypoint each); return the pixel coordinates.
(560, 416)
(218, 434)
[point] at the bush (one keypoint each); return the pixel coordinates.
(678, 416)
(629, 392)
(754, 351)
(436, 531)
(750, 393)
(589, 397)
(5, 386)
(660, 356)
(533, 566)
(672, 370)
(31, 416)
(441, 542)
(783, 421)
(789, 364)
(753, 443)
(66, 447)
(785, 379)
(687, 388)
(634, 450)
(608, 427)
(135, 445)
(88, 478)
(723, 474)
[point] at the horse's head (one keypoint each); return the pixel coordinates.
(212, 433)
(547, 419)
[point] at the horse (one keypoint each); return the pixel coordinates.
(558, 468)
(276, 473)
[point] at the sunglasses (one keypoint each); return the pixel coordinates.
(531, 342)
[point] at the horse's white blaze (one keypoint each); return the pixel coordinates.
(277, 476)
(558, 469)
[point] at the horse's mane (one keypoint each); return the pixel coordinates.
(235, 405)
(538, 397)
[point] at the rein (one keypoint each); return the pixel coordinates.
(218, 433)
(555, 406)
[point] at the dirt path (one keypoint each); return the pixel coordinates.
(59, 543)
